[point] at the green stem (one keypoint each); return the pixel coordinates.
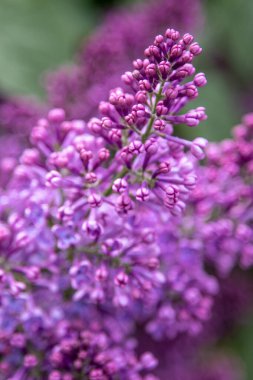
(145, 136)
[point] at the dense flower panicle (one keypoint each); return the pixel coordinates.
(60, 345)
(78, 88)
(223, 201)
(95, 235)
(89, 195)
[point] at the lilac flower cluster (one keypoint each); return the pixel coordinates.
(78, 220)
(77, 89)
(96, 239)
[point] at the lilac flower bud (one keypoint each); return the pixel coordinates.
(152, 50)
(54, 179)
(105, 108)
(142, 194)
(161, 109)
(176, 51)
(195, 49)
(188, 39)
(123, 204)
(138, 64)
(136, 147)
(183, 72)
(126, 155)
(186, 57)
(121, 279)
(30, 361)
(159, 125)
(171, 197)
(56, 115)
(148, 361)
(95, 200)
(151, 146)
(29, 157)
(151, 70)
(171, 93)
(191, 91)
(141, 97)
(191, 119)
(55, 375)
(164, 68)
(95, 125)
(106, 123)
(115, 136)
(103, 154)
(159, 39)
(92, 228)
(127, 78)
(172, 34)
(101, 274)
(163, 168)
(190, 182)
(197, 151)
(200, 80)
(85, 155)
(145, 85)
(119, 185)
(91, 177)
(39, 134)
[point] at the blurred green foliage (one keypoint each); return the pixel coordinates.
(36, 36)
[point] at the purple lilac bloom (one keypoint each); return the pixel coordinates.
(107, 54)
(96, 238)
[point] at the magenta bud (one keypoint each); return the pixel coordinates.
(138, 64)
(176, 51)
(145, 85)
(195, 49)
(103, 154)
(94, 125)
(121, 279)
(115, 135)
(53, 179)
(135, 147)
(159, 125)
(141, 97)
(123, 204)
(151, 146)
(158, 39)
(188, 39)
(164, 68)
(172, 34)
(128, 78)
(171, 93)
(106, 123)
(30, 361)
(191, 91)
(161, 109)
(197, 152)
(95, 200)
(200, 80)
(56, 115)
(119, 185)
(151, 70)
(142, 194)
(91, 177)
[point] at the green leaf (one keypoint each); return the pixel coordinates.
(37, 36)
